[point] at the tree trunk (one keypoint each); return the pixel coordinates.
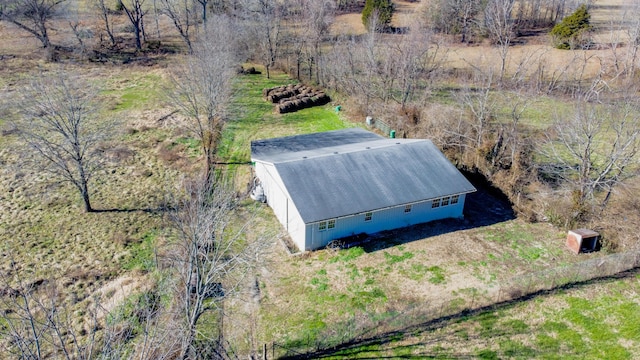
(86, 200)
(137, 31)
(84, 191)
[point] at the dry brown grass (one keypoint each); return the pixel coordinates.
(537, 52)
(42, 227)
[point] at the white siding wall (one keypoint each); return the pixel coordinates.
(280, 202)
(297, 228)
(387, 219)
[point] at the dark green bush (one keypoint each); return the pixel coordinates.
(569, 32)
(384, 10)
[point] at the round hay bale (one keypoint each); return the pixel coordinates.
(286, 107)
(322, 99)
(268, 91)
(279, 95)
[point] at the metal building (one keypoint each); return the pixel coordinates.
(335, 184)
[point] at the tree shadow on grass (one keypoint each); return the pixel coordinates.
(158, 210)
(359, 345)
(487, 206)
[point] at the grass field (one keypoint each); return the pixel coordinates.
(42, 227)
(593, 322)
(370, 301)
(329, 298)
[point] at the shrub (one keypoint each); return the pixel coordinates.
(568, 33)
(384, 10)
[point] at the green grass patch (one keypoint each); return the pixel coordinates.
(141, 254)
(135, 92)
(362, 299)
(516, 349)
(547, 343)
(418, 272)
(516, 326)
(320, 282)
(369, 351)
(251, 117)
(394, 259)
(487, 354)
(487, 323)
(346, 255)
(352, 271)
(192, 147)
(310, 331)
(437, 275)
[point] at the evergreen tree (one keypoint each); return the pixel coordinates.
(568, 33)
(382, 8)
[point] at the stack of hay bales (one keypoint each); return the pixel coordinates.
(290, 98)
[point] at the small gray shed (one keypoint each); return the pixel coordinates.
(330, 185)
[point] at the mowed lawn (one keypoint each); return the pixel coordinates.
(369, 295)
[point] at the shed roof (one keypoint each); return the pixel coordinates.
(374, 173)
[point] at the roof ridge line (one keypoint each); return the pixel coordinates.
(329, 153)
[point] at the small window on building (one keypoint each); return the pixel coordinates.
(322, 226)
(407, 209)
(368, 216)
(454, 199)
(435, 203)
(445, 201)
(331, 224)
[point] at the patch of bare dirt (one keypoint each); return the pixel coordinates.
(113, 293)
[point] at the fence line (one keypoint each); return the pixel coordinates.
(420, 316)
(380, 125)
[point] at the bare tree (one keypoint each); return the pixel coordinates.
(388, 69)
(352, 65)
(317, 18)
(509, 144)
(416, 56)
(101, 5)
(633, 34)
(36, 324)
(212, 257)
(181, 13)
(203, 5)
(202, 87)
(480, 104)
(73, 16)
(32, 16)
(60, 126)
(263, 19)
(537, 13)
(136, 10)
(500, 25)
(456, 16)
(594, 148)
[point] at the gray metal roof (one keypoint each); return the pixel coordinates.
(265, 150)
(340, 180)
